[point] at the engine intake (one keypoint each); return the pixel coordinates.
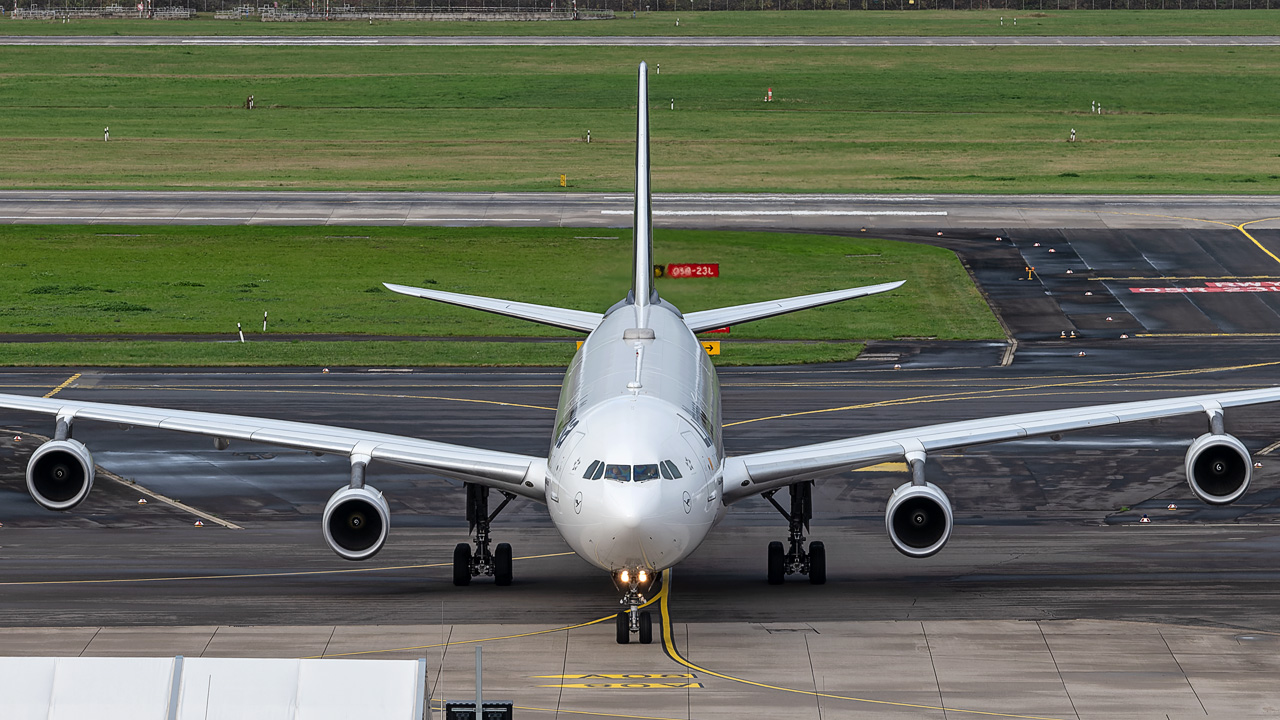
(1219, 468)
(918, 519)
(356, 521)
(60, 474)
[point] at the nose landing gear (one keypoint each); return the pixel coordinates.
(633, 620)
(468, 564)
(794, 560)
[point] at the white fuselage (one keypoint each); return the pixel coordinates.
(634, 472)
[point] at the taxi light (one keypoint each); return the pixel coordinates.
(625, 577)
(643, 576)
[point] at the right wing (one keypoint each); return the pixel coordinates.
(747, 475)
(705, 320)
(553, 316)
(521, 474)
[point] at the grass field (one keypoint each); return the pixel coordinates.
(191, 280)
(846, 120)
(920, 22)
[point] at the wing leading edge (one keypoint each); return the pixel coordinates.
(747, 475)
(521, 474)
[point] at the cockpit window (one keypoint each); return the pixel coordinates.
(670, 471)
(621, 473)
(599, 473)
(644, 473)
(591, 469)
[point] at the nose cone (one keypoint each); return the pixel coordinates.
(629, 505)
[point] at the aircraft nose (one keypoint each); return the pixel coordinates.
(632, 505)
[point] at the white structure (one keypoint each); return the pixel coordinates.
(73, 688)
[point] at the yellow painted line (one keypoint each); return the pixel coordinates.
(254, 575)
(597, 621)
(65, 383)
(628, 686)
(1000, 392)
(168, 500)
(1240, 227)
(675, 655)
(618, 676)
(884, 467)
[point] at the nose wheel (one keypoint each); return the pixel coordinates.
(643, 626)
(469, 563)
(794, 559)
(633, 620)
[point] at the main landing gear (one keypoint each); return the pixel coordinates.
(633, 620)
(497, 563)
(795, 560)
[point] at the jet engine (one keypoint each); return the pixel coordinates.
(1219, 468)
(60, 474)
(918, 519)
(356, 521)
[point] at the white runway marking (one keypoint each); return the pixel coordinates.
(800, 213)
(251, 218)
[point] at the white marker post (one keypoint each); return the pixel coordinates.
(240, 332)
(264, 321)
(673, 103)
(588, 137)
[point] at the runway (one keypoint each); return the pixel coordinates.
(655, 41)
(768, 211)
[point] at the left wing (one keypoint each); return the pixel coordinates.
(521, 474)
(747, 475)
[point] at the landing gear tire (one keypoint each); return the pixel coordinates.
(624, 628)
(462, 564)
(646, 628)
(777, 563)
(817, 563)
(502, 564)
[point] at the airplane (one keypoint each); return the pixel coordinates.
(636, 475)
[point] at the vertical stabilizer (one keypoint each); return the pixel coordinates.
(642, 291)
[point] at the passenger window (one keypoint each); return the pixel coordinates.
(670, 471)
(591, 469)
(644, 473)
(621, 473)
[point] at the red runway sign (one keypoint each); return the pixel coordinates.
(693, 270)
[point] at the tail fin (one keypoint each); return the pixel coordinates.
(642, 290)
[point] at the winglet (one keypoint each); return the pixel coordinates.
(642, 290)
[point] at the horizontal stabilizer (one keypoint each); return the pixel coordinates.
(553, 316)
(705, 320)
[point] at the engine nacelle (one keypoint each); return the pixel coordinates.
(918, 519)
(1219, 468)
(356, 521)
(60, 474)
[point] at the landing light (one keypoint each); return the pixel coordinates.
(626, 576)
(643, 576)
